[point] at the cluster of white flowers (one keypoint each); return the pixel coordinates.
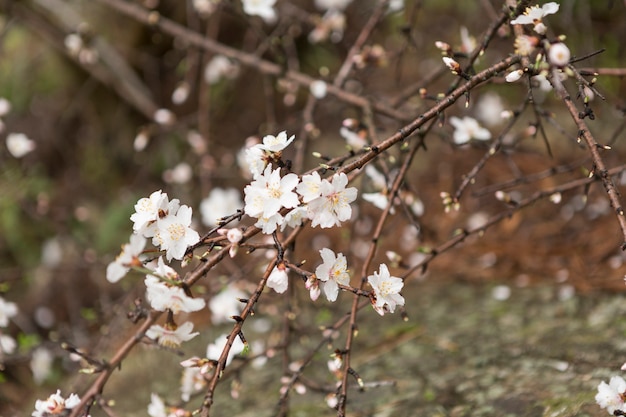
(556, 54)
(166, 222)
(326, 203)
(534, 16)
(55, 405)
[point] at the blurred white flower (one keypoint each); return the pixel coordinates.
(180, 174)
(205, 7)
(262, 8)
(5, 106)
(181, 93)
(379, 200)
(215, 349)
(156, 408)
(41, 364)
(141, 140)
(19, 144)
(164, 117)
(73, 43)
(128, 257)
(318, 89)
(220, 203)
(162, 296)
(354, 132)
(395, 6)
(332, 4)
(226, 304)
(8, 309)
(468, 128)
(489, 109)
(220, 67)
(192, 381)
(331, 26)
(468, 42)
(171, 336)
(7, 345)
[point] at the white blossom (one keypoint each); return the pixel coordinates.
(259, 155)
(278, 279)
(7, 344)
(513, 76)
(333, 205)
(156, 408)
(534, 15)
(8, 309)
(309, 188)
(180, 174)
(294, 218)
(262, 8)
(41, 364)
(379, 200)
(234, 236)
(55, 405)
(164, 117)
(215, 349)
(268, 193)
(318, 89)
(220, 203)
(19, 145)
(148, 210)
(171, 336)
(333, 271)
(276, 143)
(226, 304)
(386, 289)
(174, 234)
(5, 106)
(163, 296)
(468, 128)
(331, 26)
(611, 396)
(220, 67)
(129, 257)
(559, 54)
(332, 4)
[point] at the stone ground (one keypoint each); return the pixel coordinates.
(463, 352)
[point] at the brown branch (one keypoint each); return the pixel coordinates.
(96, 387)
(464, 234)
(343, 392)
(450, 99)
(599, 169)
